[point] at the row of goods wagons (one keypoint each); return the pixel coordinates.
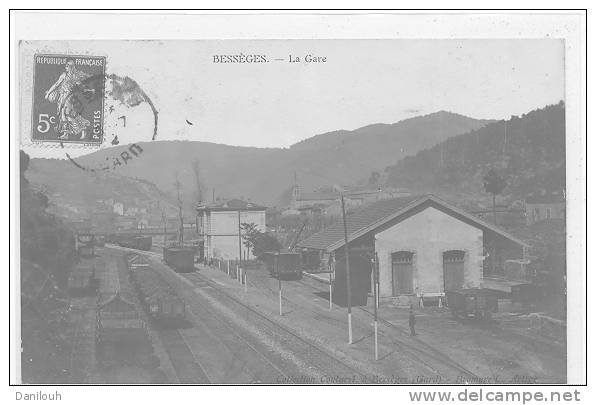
(161, 301)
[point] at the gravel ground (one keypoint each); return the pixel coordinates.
(445, 350)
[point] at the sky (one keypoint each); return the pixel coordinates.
(279, 103)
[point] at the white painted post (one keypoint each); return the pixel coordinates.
(377, 295)
(349, 328)
(228, 267)
(330, 296)
(376, 340)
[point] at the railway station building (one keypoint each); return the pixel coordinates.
(219, 225)
(424, 245)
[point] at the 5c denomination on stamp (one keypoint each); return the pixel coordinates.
(68, 99)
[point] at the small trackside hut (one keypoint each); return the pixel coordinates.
(425, 246)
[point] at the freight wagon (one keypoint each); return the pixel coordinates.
(181, 259)
(159, 299)
(476, 302)
(284, 265)
(122, 335)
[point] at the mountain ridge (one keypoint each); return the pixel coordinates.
(262, 174)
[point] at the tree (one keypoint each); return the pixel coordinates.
(494, 184)
(250, 235)
(374, 178)
(264, 242)
(257, 241)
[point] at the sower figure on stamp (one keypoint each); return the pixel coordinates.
(412, 322)
(70, 121)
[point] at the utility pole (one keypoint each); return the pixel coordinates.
(276, 264)
(375, 265)
(165, 222)
(180, 216)
(239, 244)
(349, 287)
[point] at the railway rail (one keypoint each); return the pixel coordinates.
(426, 350)
(421, 353)
(311, 358)
(327, 363)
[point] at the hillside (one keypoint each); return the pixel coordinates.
(263, 174)
(72, 191)
(528, 150)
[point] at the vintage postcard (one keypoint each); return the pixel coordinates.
(296, 211)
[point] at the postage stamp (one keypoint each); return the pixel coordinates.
(68, 99)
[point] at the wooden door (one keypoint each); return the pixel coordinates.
(453, 269)
(402, 270)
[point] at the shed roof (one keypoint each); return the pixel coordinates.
(376, 215)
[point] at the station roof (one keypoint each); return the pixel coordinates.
(389, 212)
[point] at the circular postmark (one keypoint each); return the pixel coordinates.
(125, 93)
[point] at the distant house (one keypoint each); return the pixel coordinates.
(119, 208)
(327, 202)
(143, 222)
(539, 208)
(425, 246)
(219, 224)
(125, 223)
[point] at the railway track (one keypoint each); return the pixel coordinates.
(416, 351)
(420, 353)
(299, 360)
(426, 355)
(326, 363)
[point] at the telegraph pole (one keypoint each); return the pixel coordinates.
(239, 245)
(165, 222)
(376, 292)
(276, 264)
(349, 287)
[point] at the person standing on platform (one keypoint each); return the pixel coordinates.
(412, 322)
